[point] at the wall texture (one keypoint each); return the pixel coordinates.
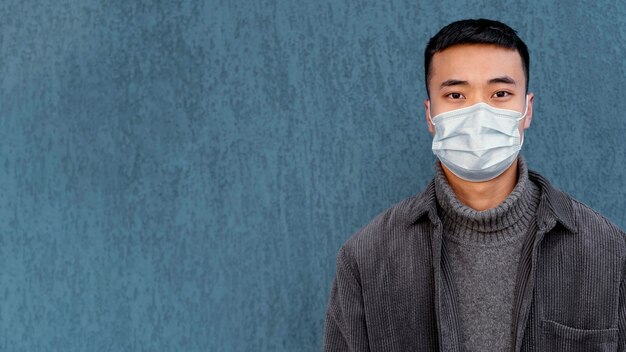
(179, 175)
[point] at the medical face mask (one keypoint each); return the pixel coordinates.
(477, 143)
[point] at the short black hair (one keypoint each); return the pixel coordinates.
(475, 31)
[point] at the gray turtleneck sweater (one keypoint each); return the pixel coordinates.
(484, 248)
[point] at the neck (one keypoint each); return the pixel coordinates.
(483, 195)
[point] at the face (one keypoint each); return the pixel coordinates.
(466, 74)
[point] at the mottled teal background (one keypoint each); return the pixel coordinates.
(179, 175)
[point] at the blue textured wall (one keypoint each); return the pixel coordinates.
(178, 175)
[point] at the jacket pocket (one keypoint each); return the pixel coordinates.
(558, 337)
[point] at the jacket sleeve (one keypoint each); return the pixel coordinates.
(622, 316)
(345, 328)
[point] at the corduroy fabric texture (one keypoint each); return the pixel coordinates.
(392, 290)
(484, 249)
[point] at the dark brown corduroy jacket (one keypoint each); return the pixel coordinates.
(393, 290)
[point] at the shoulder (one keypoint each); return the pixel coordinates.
(391, 228)
(591, 235)
(590, 222)
(577, 216)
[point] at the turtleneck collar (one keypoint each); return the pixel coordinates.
(510, 217)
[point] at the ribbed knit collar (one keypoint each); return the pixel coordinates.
(498, 224)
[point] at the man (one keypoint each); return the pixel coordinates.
(489, 257)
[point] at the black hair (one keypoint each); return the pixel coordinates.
(475, 31)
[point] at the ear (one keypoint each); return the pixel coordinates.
(529, 113)
(431, 128)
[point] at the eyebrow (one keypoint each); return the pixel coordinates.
(503, 79)
(458, 82)
(453, 82)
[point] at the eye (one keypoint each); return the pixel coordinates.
(455, 96)
(501, 94)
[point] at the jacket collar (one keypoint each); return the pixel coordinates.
(554, 205)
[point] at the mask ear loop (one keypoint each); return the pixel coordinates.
(525, 109)
(521, 117)
(430, 116)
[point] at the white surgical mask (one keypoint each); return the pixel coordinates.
(479, 142)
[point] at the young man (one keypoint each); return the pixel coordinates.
(489, 257)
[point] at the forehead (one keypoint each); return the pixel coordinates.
(476, 62)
